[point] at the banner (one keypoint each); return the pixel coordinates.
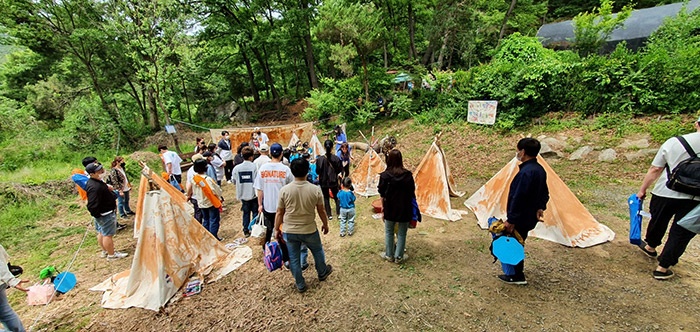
(482, 111)
(281, 134)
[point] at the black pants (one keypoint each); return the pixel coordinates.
(197, 210)
(520, 268)
(227, 169)
(327, 200)
(678, 239)
(270, 224)
(662, 209)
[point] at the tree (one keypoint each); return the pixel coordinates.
(591, 30)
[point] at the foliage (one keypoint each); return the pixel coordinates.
(591, 30)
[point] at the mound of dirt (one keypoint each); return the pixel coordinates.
(145, 156)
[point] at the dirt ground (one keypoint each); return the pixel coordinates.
(447, 284)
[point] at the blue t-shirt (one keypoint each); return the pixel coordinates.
(341, 138)
(347, 199)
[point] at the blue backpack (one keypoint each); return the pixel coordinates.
(273, 256)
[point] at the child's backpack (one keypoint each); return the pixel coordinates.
(273, 256)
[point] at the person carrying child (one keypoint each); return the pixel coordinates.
(347, 207)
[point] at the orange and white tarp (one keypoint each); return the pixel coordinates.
(566, 220)
(316, 146)
(365, 177)
(171, 247)
(435, 186)
(276, 134)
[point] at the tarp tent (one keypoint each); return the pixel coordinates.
(316, 146)
(435, 185)
(566, 220)
(171, 247)
(365, 177)
(277, 134)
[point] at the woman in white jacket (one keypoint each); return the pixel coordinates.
(8, 317)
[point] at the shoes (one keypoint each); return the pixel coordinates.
(643, 247)
(246, 233)
(103, 254)
(386, 258)
(130, 213)
(658, 275)
(512, 280)
(305, 266)
(303, 289)
(351, 233)
(330, 217)
(117, 255)
(120, 226)
(124, 216)
(329, 270)
(399, 260)
(229, 181)
(342, 234)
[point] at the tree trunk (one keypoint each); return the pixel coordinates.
(268, 77)
(505, 20)
(365, 79)
(386, 58)
(251, 77)
(310, 62)
(284, 78)
(443, 49)
(187, 100)
(153, 121)
(412, 32)
(167, 116)
(428, 54)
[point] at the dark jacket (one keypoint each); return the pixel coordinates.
(100, 198)
(528, 193)
(237, 159)
(398, 192)
(223, 145)
(328, 169)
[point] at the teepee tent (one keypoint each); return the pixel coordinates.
(171, 247)
(435, 185)
(566, 220)
(365, 177)
(294, 140)
(316, 146)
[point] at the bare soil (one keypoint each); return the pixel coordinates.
(447, 284)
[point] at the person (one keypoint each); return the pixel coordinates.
(264, 156)
(102, 206)
(297, 206)
(262, 137)
(345, 156)
(243, 176)
(225, 153)
(238, 158)
(255, 142)
(340, 138)
(208, 196)
(9, 317)
(188, 188)
(218, 163)
(527, 199)
(397, 190)
(328, 167)
(666, 203)
(347, 208)
(201, 145)
(271, 177)
(211, 171)
(313, 176)
(172, 163)
(121, 185)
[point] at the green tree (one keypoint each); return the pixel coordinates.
(591, 30)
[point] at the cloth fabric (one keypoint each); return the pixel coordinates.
(262, 160)
(270, 179)
(224, 149)
(389, 226)
(201, 197)
(528, 193)
(294, 245)
(327, 192)
(312, 176)
(244, 177)
(100, 198)
(123, 204)
(106, 224)
(662, 209)
(671, 154)
(299, 200)
(210, 220)
(8, 317)
(397, 191)
(347, 220)
(6, 277)
(249, 207)
(347, 199)
(80, 178)
(342, 138)
(170, 157)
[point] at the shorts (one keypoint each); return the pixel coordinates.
(107, 225)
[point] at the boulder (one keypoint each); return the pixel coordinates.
(638, 144)
(639, 154)
(554, 144)
(607, 155)
(581, 152)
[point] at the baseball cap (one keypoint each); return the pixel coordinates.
(93, 168)
(264, 147)
(197, 157)
(276, 150)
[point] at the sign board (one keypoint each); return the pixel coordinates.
(482, 111)
(170, 129)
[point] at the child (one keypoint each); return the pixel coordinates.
(313, 176)
(347, 208)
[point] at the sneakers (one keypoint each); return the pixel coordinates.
(385, 257)
(512, 280)
(351, 233)
(103, 254)
(117, 255)
(130, 213)
(303, 289)
(246, 233)
(643, 247)
(329, 270)
(305, 266)
(120, 226)
(330, 217)
(342, 234)
(658, 275)
(398, 260)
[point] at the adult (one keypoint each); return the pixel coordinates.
(340, 137)
(398, 190)
(8, 317)
(262, 137)
(208, 196)
(102, 206)
(345, 156)
(172, 163)
(271, 178)
(328, 167)
(211, 171)
(244, 177)
(226, 154)
(264, 156)
(122, 186)
(238, 158)
(201, 145)
(666, 203)
(189, 187)
(217, 162)
(527, 199)
(296, 211)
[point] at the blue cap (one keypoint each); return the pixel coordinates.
(276, 150)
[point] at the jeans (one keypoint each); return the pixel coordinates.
(197, 211)
(123, 204)
(313, 242)
(248, 208)
(8, 317)
(327, 197)
(389, 238)
(210, 220)
(107, 224)
(347, 221)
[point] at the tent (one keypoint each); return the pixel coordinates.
(171, 247)
(401, 78)
(293, 141)
(276, 134)
(435, 185)
(566, 220)
(365, 177)
(316, 146)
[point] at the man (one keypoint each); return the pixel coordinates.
(8, 317)
(226, 154)
(80, 177)
(666, 203)
(527, 199)
(102, 206)
(296, 212)
(262, 137)
(271, 178)
(172, 163)
(218, 163)
(243, 176)
(264, 158)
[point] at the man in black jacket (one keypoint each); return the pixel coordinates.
(527, 199)
(102, 206)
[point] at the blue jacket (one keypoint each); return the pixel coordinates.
(347, 199)
(528, 193)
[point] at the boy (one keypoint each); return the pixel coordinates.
(347, 208)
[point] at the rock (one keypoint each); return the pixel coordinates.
(547, 152)
(638, 144)
(581, 152)
(554, 144)
(607, 155)
(640, 154)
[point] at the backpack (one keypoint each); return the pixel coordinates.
(273, 256)
(685, 177)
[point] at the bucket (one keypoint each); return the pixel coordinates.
(64, 282)
(377, 206)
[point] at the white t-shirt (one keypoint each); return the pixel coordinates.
(262, 160)
(190, 175)
(263, 138)
(170, 157)
(270, 179)
(672, 153)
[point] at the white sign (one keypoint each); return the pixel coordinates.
(482, 111)
(170, 129)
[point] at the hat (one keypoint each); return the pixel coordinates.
(206, 154)
(300, 148)
(197, 157)
(93, 168)
(276, 150)
(256, 129)
(264, 147)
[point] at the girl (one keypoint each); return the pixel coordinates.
(347, 208)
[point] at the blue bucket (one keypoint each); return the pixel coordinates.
(64, 282)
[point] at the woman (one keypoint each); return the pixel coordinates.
(225, 153)
(398, 191)
(340, 138)
(346, 157)
(8, 317)
(328, 167)
(218, 163)
(122, 186)
(238, 158)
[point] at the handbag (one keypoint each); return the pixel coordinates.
(40, 294)
(259, 230)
